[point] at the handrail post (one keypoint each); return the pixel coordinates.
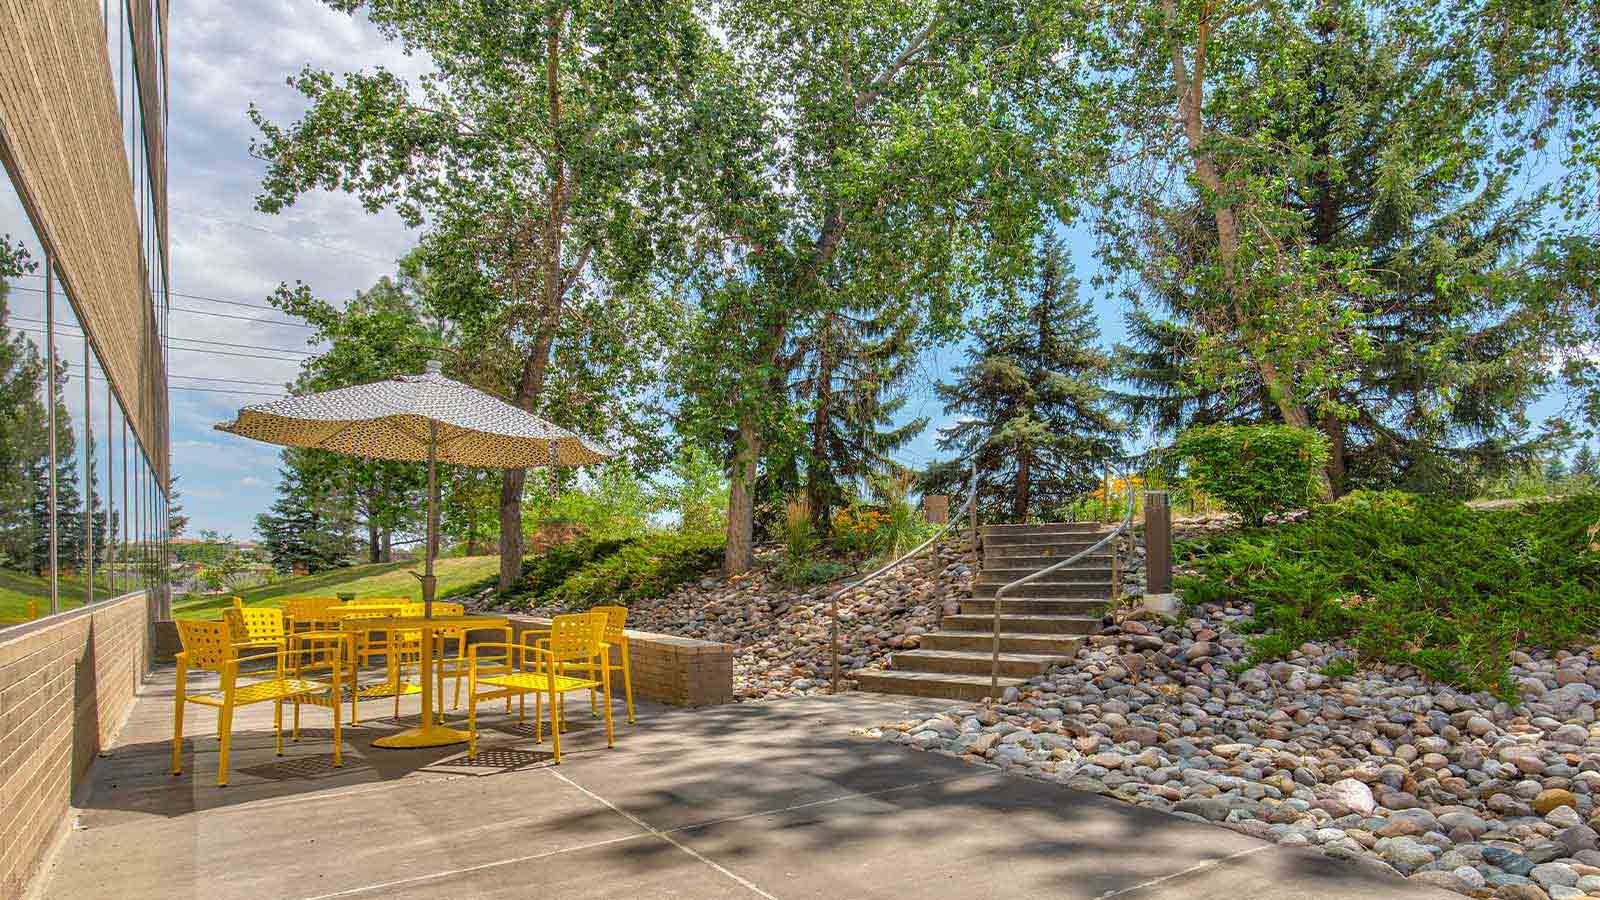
(833, 599)
(1000, 593)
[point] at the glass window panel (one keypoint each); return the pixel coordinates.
(24, 441)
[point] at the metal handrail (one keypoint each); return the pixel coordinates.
(833, 598)
(999, 594)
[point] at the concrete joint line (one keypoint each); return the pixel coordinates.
(741, 881)
(1197, 867)
(467, 870)
(647, 831)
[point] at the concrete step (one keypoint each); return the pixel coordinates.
(1099, 559)
(979, 641)
(1075, 589)
(971, 662)
(1084, 621)
(1087, 570)
(1043, 540)
(1038, 606)
(1006, 532)
(1055, 551)
(931, 684)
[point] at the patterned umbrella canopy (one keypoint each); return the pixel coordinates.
(390, 420)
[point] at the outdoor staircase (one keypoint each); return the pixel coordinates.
(1041, 623)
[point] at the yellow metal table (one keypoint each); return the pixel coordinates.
(429, 733)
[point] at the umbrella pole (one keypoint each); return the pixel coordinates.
(433, 522)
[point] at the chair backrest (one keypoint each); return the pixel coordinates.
(577, 636)
(616, 621)
(255, 623)
(207, 644)
(374, 611)
(445, 609)
(309, 609)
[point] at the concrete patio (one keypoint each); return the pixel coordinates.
(772, 800)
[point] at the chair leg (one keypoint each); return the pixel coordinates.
(605, 676)
(538, 718)
(627, 682)
(472, 722)
(177, 730)
(556, 721)
(338, 738)
(277, 724)
(225, 739)
(295, 734)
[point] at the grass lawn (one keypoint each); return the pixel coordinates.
(374, 580)
(17, 588)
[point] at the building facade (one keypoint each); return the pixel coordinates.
(84, 305)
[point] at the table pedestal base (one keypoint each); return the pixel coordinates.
(431, 736)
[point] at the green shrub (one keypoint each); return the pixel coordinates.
(807, 572)
(544, 573)
(1255, 470)
(1424, 581)
(649, 567)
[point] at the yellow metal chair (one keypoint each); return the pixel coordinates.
(209, 646)
(540, 666)
(311, 613)
(363, 644)
(257, 627)
(617, 640)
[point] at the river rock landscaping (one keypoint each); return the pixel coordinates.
(781, 633)
(1459, 790)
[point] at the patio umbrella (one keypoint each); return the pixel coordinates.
(414, 418)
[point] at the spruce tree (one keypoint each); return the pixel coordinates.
(22, 438)
(854, 363)
(305, 525)
(1032, 403)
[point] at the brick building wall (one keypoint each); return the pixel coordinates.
(66, 685)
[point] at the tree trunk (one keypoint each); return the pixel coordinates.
(388, 545)
(1337, 472)
(1189, 89)
(1019, 496)
(739, 555)
(374, 545)
(511, 527)
(817, 492)
(552, 289)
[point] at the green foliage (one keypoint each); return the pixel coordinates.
(808, 572)
(1255, 470)
(649, 567)
(1427, 582)
(699, 494)
(615, 503)
(546, 572)
(1343, 667)
(1031, 402)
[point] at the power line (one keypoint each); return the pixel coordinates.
(174, 293)
(287, 237)
(186, 340)
(201, 312)
(220, 353)
(272, 384)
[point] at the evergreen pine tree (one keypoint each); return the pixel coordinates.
(22, 439)
(69, 502)
(305, 526)
(1032, 403)
(854, 363)
(1585, 463)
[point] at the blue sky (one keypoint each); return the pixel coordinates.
(224, 56)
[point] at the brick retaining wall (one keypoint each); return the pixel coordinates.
(667, 669)
(67, 684)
